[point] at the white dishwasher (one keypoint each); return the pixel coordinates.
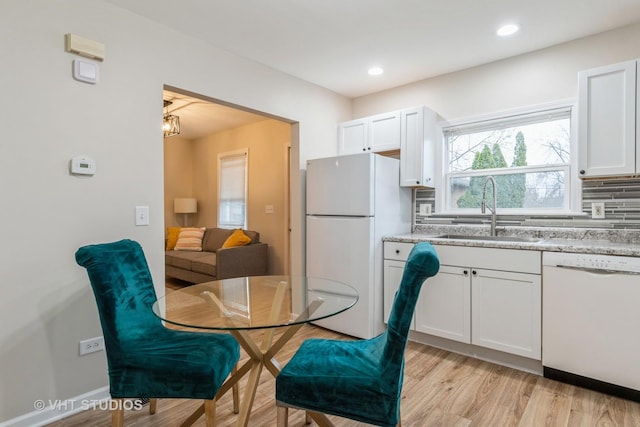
(591, 321)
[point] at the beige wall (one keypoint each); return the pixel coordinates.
(46, 304)
(178, 178)
(191, 171)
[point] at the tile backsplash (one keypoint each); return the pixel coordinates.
(621, 198)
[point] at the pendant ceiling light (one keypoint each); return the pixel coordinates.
(170, 123)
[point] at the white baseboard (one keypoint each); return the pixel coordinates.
(48, 411)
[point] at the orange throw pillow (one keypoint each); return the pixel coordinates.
(237, 238)
(172, 237)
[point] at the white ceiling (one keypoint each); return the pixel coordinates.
(332, 43)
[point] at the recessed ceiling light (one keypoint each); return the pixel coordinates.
(507, 30)
(375, 71)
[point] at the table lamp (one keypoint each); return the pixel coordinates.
(185, 206)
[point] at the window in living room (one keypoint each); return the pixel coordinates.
(232, 189)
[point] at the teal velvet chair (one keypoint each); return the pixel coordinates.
(360, 380)
(145, 359)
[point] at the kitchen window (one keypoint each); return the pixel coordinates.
(232, 189)
(529, 153)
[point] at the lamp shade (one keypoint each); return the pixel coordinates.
(185, 205)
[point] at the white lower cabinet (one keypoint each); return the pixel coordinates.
(444, 305)
(507, 312)
(482, 296)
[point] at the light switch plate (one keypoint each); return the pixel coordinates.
(142, 215)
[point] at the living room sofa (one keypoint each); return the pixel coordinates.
(213, 262)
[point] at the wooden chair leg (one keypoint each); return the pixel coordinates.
(235, 393)
(153, 405)
(283, 416)
(210, 412)
(307, 417)
(117, 413)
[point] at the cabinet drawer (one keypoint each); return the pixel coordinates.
(398, 251)
(522, 261)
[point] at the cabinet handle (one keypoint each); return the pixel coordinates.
(465, 272)
(417, 182)
(582, 172)
(474, 272)
(364, 149)
(397, 251)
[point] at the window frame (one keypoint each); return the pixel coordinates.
(573, 190)
(221, 156)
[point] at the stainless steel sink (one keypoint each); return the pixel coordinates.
(491, 238)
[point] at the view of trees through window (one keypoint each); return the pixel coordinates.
(528, 157)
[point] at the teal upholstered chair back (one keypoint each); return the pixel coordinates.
(422, 263)
(124, 293)
(146, 359)
(361, 379)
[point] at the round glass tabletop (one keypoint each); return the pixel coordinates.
(255, 302)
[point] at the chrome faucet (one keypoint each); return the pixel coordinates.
(483, 206)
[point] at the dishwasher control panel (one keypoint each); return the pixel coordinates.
(608, 263)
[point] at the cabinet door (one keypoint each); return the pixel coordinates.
(392, 277)
(411, 147)
(419, 136)
(444, 305)
(384, 132)
(607, 120)
(353, 137)
(506, 313)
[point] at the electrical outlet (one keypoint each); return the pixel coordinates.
(597, 210)
(425, 209)
(91, 345)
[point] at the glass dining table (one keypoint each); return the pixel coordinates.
(243, 304)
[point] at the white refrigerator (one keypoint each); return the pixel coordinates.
(352, 202)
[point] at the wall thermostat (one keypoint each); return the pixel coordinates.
(82, 165)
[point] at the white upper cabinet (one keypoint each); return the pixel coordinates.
(413, 131)
(608, 112)
(384, 132)
(419, 134)
(353, 137)
(375, 134)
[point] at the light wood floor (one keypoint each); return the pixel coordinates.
(440, 389)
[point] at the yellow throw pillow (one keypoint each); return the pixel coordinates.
(172, 237)
(190, 239)
(237, 238)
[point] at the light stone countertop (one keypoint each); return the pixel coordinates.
(577, 240)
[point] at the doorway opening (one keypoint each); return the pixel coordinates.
(209, 127)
